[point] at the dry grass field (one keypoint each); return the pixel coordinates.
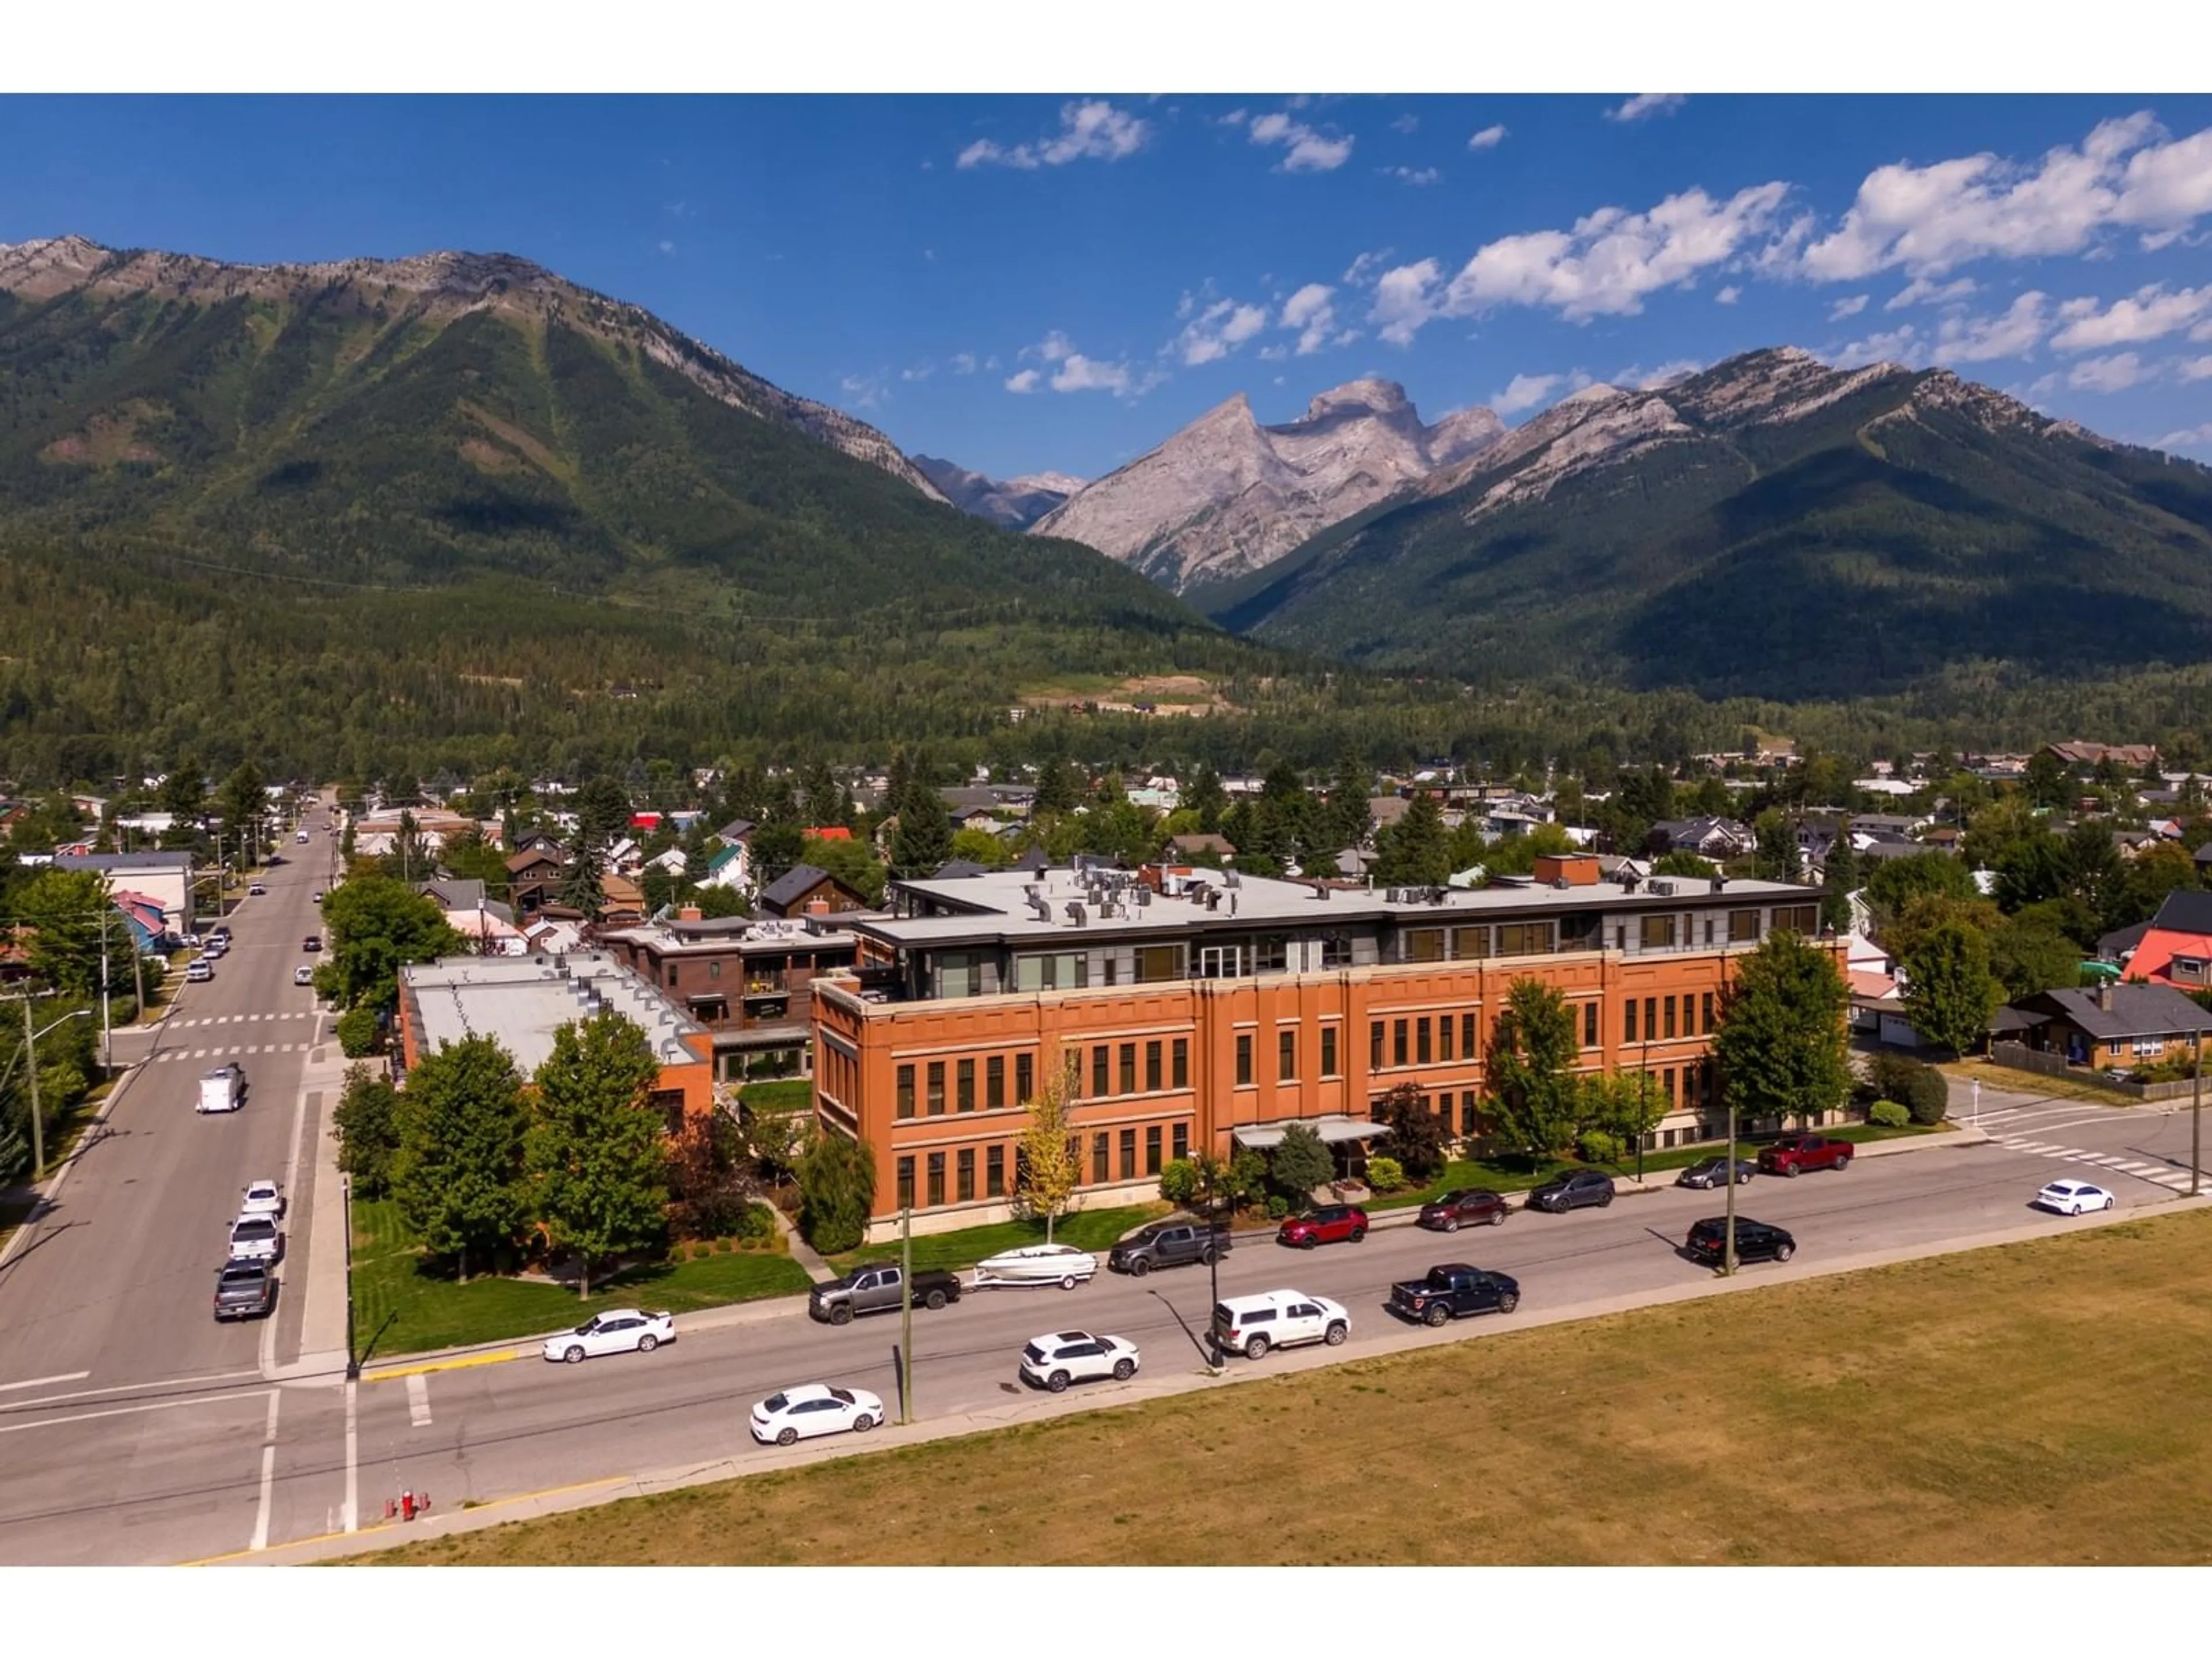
(2040, 1403)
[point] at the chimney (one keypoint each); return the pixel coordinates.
(817, 907)
(2105, 996)
(689, 913)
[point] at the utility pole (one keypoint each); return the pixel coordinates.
(2197, 1116)
(38, 1117)
(906, 1315)
(353, 1359)
(106, 1029)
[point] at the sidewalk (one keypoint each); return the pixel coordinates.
(801, 1252)
(322, 1351)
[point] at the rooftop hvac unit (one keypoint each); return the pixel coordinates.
(1559, 882)
(1075, 913)
(1664, 888)
(1230, 879)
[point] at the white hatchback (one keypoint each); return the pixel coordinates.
(812, 1408)
(2074, 1198)
(617, 1330)
(1058, 1359)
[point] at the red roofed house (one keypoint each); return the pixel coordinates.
(2177, 951)
(834, 832)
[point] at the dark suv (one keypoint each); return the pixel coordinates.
(1168, 1245)
(1755, 1241)
(1464, 1207)
(1572, 1190)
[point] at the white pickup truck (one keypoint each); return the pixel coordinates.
(222, 1090)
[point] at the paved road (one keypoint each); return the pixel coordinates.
(186, 1475)
(105, 1323)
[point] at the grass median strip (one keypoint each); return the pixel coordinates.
(1918, 1413)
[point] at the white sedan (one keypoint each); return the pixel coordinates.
(618, 1330)
(813, 1408)
(2074, 1198)
(1057, 1359)
(262, 1198)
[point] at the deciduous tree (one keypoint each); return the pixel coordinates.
(367, 1126)
(458, 1171)
(597, 1160)
(1417, 1135)
(1047, 1165)
(1534, 1105)
(377, 925)
(1783, 1042)
(1301, 1162)
(1950, 991)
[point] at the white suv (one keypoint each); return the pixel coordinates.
(1057, 1359)
(1251, 1325)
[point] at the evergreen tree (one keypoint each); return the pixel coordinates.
(1839, 878)
(1058, 789)
(1300, 1164)
(1414, 851)
(1205, 796)
(1950, 991)
(458, 1169)
(923, 839)
(1534, 1104)
(242, 804)
(1783, 1044)
(595, 1148)
(1775, 857)
(580, 889)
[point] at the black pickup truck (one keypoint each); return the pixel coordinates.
(1168, 1245)
(1453, 1290)
(878, 1289)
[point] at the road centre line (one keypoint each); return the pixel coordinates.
(41, 1381)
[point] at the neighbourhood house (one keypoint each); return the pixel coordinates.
(1719, 839)
(164, 877)
(377, 835)
(748, 982)
(1198, 1009)
(2114, 1025)
(522, 1001)
(533, 877)
(805, 891)
(488, 924)
(2134, 756)
(2176, 949)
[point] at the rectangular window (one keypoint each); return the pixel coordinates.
(937, 1088)
(1469, 944)
(1670, 1017)
(1444, 1037)
(1589, 1024)
(1466, 1110)
(1743, 927)
(1375, 1047)
(994, 1082)
(1244, 1060)
(906, 1183)
(1099, 1174)
(1181, 1055)
(1101, 1065)
(1467, 1036)
(1707, 1021)
(1287, 1055)
(995, 1172)
(963, 1078)
(1803, 920)
(1709, 930)
(906, 1091)
(1152, 1149)
(1628, 1020)
(1524, 938)
(1658, 932)
(1153, 1068)
(1328, 1051)
(1156, 962)
(1335, 952)
(1181, 1142)
(1398, 1043)
(1423, 1054)
(1651, 1018)
(1670, 1088)
(936, 1180)
(1220, 961)
(958, 974)
(1128, 1154)
(1424, 945)
(1024, 1078)
(1061, 970)
(1128, 1068)
(963, 1175)
(1270, 953)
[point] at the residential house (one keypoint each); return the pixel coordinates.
(377, 833)
(142, 914)
(533, 877)
(1899, 826)
(471, 911)
(1191, 845)
(2121, 944)
(622, 900)
(732, 868)
(165, 878)
(2133, 758)
(2114, 1026)
(1717, 839)
(805, 891)
(2176, 949)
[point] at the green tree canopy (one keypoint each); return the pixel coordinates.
(1783, 1040)
(1892, 883)
(836, 1190)
(67, 911)
(1413, 852)
(1950, 991)
(457, 1172)
(1299, 1163)
(376, 926)
(597, 1160)
(1534, 1106)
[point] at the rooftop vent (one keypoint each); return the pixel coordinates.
(1075, 913)
(1664, 888)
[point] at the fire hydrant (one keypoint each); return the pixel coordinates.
(406, 1506)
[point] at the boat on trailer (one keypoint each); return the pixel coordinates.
(1037, 1264)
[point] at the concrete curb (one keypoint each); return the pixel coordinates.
(1400, 1338)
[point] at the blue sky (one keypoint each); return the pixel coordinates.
(1032, 282)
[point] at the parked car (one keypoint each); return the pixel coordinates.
(1793, 1155)
(1053, 1361)
(222, 1090)
(1755, 1241)
(313, 942)
(1463, 1207)
(878, 1289)
(1168, 1245)
(300, 838)
(199, 970)
(256, 1238)
(813, 1408)
(255, 889)
(1572, 1190)
(244, 1289)
(303, 974)
(1713, 1172)
(220, 931)
(318, 895)
(1452, 1289)
(1250, 1325)
(262, 1198)
(614, 1330)
(1331, 1223)
(2074, 1198)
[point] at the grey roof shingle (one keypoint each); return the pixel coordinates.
(2136, 1011)
(2184, 912)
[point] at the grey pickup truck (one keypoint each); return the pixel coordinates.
(877, 1290)
(1168, 1245)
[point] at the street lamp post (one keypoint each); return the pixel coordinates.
(2196, 1115)
(30, 1066)
(353, 1358)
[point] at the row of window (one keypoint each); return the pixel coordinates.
(1110, 1150)
(994, 1097)
(1113, 1070)
(1661, 1020)
(1693, 1088)
(1286, 1055)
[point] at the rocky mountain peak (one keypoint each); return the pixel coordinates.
(1368, 397)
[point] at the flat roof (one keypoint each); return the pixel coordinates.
(995, 905)
(723, 933)
(522, 1000)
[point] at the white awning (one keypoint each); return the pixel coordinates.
(1334, 1127)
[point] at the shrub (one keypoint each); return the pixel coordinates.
(1599, 1146)
(1417, 1134)
(1927, 1094)
(722, 1246)
(367, 1126)
(758, 1222)
(1888, 1113)
(1179, 1181)
(356, 1032)
(1385, 1175)
(1278, 1207)
(701, 1252)
(836, 1187)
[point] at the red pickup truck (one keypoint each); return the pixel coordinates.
(1793, 1154)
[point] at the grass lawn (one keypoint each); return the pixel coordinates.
(1963, 1072)
(426, 1312)
(1904, 1415)
(785, 1095)
(1087, 1230)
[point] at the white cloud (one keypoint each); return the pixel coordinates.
(666, 247)
(1025, 381)
(1071, 371)
(1274, 354)
(2113, 374)
(1901, 344)
(1921, 291)
(1218, 329)
(2194, 437)
(1648, 104)
(1930, 219)
(1311, 312)
(1728, 295)
(2013, 332)
(1078, 372)
(1405, 123)
(2149, 313)
(866, 391)
(919, 372)
(1055, 346)
(1364, 267)
(1234, 118)
(963, 363)
(1525, 392)
(1412, 175)
(1604, 266)
(1850, 307)
(1092, 128)
(1308, 151)
(2193, 368)
(1488, 138)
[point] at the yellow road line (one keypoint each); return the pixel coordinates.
(455, 1364)
(367, 1532)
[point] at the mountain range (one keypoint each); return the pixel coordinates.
(1015, 504)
